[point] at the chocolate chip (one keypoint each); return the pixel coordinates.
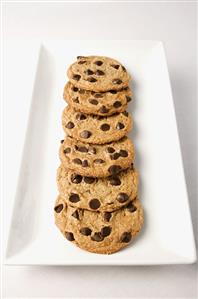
(82, 149)
(85, 163)
(74, 197)
(85, 134)
(99, 73)
(98, 95)
(76, 77)
(125, 113)
(117, 81)
(132, 166)
(126, 237)
(75, 100)
(115, 156)
(93, 102)
(113, 91)
(115, 66)
(80, 116)
(105, 127)
(76, 178)
(114, 169)
(77, 161)
(94, 204)
(80, 57)
(124, 69)
(123, 153)
(91, 79)
(85, 231)
(75, 89)
(58, 208)
(120, 126)
(110, 150)
(76, 214)
(97, 237)
(103, 109)
(62, 141)
(70, 125)
(98, 62)
(67, 150)
(105, 231)
(122, 197)
(114, 181)
(117, 104)
(128, 99)
(88, 72)
(99, 161)
(107, 216)
(69, 236)
(89, 180)
(131, 208)
(92, 150)
(81, 61)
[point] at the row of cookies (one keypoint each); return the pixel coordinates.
(97, 208)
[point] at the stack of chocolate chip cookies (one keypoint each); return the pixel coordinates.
(97, 208)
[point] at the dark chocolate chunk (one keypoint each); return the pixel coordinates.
(67, 150)
(74, 197)
(126, 237)
(77, 161)
(69, 236)
(76, 77)
(122, 197)
(85, 231)
(76, 178)
(94, 204)
(105, 127)
(85, 134)
(97, 237)
(117, 104)
(58, 208)
(114, 169)
(70, 125)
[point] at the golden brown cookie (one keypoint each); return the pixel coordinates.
(101, 194)
(93, 128)
(98, 232)
(96, 160)
(99, 103)
(98, 73)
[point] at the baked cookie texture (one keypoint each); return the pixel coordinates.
(95, 129)
(98, 103)
(98, 73)
(96, 160)
(97, 194)
(99, 232)
(98, 207)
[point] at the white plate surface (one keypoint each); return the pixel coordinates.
(167, 237)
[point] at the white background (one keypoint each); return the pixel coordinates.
(175, 25)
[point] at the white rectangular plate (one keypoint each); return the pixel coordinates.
(167, 237)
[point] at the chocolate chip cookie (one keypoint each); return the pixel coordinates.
(95, 129)
(98, 194)
(96, 160)
(99, 103)
(98, 232)
(98, 73)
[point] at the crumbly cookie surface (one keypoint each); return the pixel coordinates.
(97, 194)
(98, 73)
(96, 160)
(95, 129)
(98, 103)
(98, 232)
